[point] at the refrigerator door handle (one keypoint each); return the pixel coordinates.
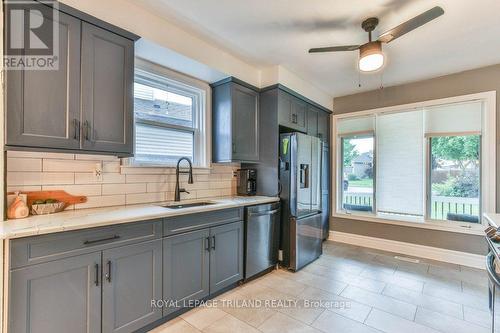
(304, 176)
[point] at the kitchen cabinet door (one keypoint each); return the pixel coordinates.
(292, 112)
(312, 121)
(324, 126)
(131, 280)
(226, 255)
(185, 268)
(43, 106)
(57, 297)
(245, 123)
(299, 113)
(107, 91)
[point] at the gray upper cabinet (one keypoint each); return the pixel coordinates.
(312, 121)
(43, 106)
(57, 297)
(86, 105)
(235, 122)
(324, 126)
(292, 112)
(186, 267)
(131, 279)
(107, 90)
(226, 255)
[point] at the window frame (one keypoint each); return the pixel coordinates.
(160, 77)
(428, 174)
(358, 135)
(487, 173)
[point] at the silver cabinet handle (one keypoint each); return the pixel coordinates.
(76, 128)
(108, 274)
(268, 212)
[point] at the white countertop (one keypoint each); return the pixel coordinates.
(98, 217)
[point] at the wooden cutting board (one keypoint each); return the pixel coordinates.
(58, 195)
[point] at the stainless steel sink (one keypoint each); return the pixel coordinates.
(188, 205)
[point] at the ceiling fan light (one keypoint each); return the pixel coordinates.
(371, 57)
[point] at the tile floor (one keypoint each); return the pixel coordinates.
(361, 290)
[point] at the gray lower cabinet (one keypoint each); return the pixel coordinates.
(57, 296)
(226, 255)
(131, 280)
(43, 106)
(200, 263)
(185, 268)
(107, 90)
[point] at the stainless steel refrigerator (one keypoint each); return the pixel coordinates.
(300, 179)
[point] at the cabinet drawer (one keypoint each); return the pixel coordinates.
(37, 249)
(184, 223)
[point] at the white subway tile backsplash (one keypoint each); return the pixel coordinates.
(136, 178)
(24, 178)
(58, 178)
(53, 165)
(90, 157)
(119, 185)
(103, 201)
(24, 164)
(108, 166)
(30, 154)
(20, 188)
(107, 178)
(108, 189)
(86, 190)
(144, 198)
(160, 187)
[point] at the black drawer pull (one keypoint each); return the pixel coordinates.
(207, 247)
(213, 242)
(114, 237)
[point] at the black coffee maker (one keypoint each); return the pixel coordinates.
(247, 182)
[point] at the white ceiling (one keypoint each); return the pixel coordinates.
(279, 32)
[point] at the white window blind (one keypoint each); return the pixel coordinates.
(169, 119)
(399, 162)
(454, 118)
(161, 144)
(355, 125)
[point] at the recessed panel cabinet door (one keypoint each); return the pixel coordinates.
(57, 297)
(131, 280)
(43, 106)
(226, 255)
(245, 123)
(186, 268)
(107, 90)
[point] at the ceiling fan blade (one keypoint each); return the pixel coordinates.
(334, 48)
(411, 24)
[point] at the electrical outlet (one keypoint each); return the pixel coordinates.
(98, 172)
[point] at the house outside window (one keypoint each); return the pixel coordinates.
(170, 113)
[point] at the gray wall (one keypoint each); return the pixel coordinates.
(467, 82)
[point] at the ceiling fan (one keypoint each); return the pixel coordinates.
(371, 57)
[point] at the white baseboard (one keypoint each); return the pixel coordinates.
(422, 251)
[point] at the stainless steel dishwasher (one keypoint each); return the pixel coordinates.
(262, 228)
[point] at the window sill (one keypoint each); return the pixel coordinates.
(131, 163)
(470, 229)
